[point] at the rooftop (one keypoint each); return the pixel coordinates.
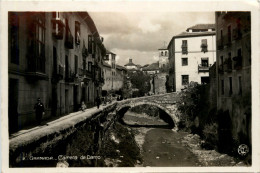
(106, 64)
(109, 52)
(151, 67)
(202, 27)
(119, 67)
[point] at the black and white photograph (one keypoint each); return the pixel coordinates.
(130, 88)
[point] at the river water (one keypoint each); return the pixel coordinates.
(160, 146)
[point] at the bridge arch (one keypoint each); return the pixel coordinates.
(122, 109)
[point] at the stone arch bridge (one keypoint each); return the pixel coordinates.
(165, 102)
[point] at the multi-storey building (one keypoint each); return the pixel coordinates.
(121, 74)
(111, 60)
(108, 78)
(191, 53)
(56, 56)
(234, 72)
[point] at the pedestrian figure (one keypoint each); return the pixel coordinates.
(98, 100)
(83, 106)
(39, 111)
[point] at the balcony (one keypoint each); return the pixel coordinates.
(36, 67)
(204, 48)
(227, 40)
(81, 72)
(238, 62)
(237, 34)
(69, 40)
(203, 68)
(220, 44)
(228, 65)
(58, 28)
(70, 76)
(58, 75)
(221, 69)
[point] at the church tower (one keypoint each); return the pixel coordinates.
(163, 56)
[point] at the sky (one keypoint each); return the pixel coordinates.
(138, 35)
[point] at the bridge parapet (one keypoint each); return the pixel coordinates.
(166, 102)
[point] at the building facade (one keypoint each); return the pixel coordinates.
(191, 53)
(234, 72)
(55, 56)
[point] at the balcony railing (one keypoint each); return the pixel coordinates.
(237, 62)
(204, 48)
(227, 40)
(58, 28)
(69, 41)
(228, 65)
(237, 34)
(203, 68)
(220, 44)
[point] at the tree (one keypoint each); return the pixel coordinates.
(140, 81)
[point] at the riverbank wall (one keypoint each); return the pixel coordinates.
(50, 144)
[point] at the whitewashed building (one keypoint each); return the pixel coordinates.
(191, 54)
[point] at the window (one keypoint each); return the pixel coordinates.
(184, 47)
(185, 79)
(229, 34)
(230, 86)
(184, 61)
(77, 32)
(36, 58)
(14, 37)
(161, 53)
(204, 45)
(204, 62)
(222, 87)
(89, 66)
(222, 62)
(165, 53)
(66, 66)
(221, 37)
(239, 85)
(204, 80)
(91, 45)
(76, 64)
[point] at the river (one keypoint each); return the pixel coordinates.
(160, 146)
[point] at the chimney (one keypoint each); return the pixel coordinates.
(130, 61)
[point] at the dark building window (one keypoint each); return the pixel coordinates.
(66, 66)
(36, 36)
(221, 37)
(240, 85)
(161, 53)
(230, 86)
(204, 62)
(14, 37)
(229, 34)
(90, 66)
(77, 32)
(222, 62)
(204, 80)
(204, 45)
(184, 47)
(222, 87)
(76, 64)
(185, 79)
(165, 53)
(184, 61)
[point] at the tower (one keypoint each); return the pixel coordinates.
(163, 56)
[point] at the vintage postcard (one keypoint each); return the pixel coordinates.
(121, 86)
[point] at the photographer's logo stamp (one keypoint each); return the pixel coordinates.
(243, 149)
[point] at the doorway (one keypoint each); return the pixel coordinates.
(13, 105)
